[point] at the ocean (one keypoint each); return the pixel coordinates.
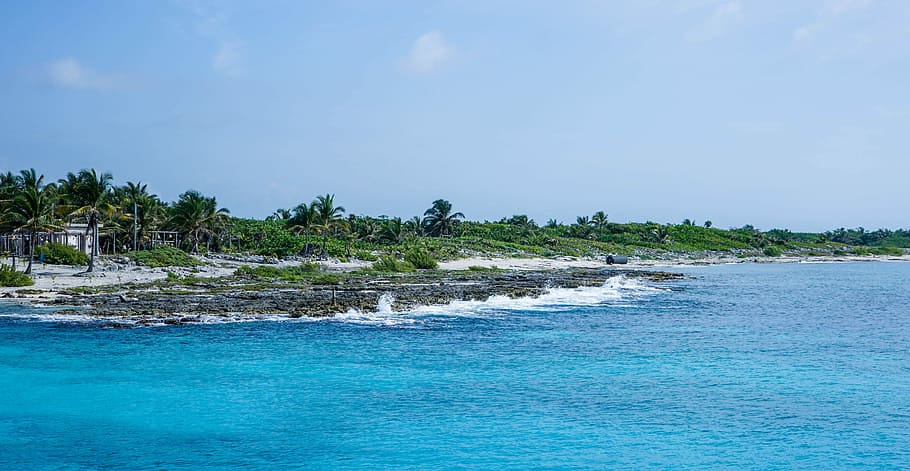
(735, 366)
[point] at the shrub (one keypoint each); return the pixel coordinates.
(10, 277)
(420, 259)
(772, 251)
(481, 269)
(183, 280)
(365, 256)
(391, 264)
(895, 251)
(327, 279)
(59, 254)
(292, 273)
(163, 257)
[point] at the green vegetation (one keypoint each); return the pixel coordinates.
(421, 259)
(292, 273)
(120, 218)
(59, 254)
(480, 269)
(772, 251)
(163, 257)
(327, 279)
(391, 264)
(174, 278)
(891, 251)
(10, 277)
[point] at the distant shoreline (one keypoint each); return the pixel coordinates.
(144, 296)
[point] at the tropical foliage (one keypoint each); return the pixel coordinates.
(120, 218)
(198, 219)
(439, 220)
(59, 254)
(163, 257)
(10, 277)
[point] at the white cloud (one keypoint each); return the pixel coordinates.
(724, 17)
(69, 73)
(429, 52)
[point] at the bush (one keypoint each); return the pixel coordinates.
(183, 280)
(365, 256)
(481, 269)
(163, 257)
(327, 279)
(772, 251)
(59, 254)
(894, 251)
(292, 273)
(391, 264)
(420, 259)
(10, 277)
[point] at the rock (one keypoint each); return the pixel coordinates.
(358, 293)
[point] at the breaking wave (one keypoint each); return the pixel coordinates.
(615, 291)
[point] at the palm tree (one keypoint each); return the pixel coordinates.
(280, 214)
(392, 231)
(30, 209)
(439, 220)
(327, 216)
(195, 216)
(599, 219)
(139, 205)
(415, 225)
(661, 234)
(552, 223)
(302, 220)
(583, 221)
(9, 186)
(87, 194)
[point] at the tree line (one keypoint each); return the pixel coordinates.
(128, 213)
(29, 205)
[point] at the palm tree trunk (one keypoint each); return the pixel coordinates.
(325, 235)
(31, 251)
(91, 257)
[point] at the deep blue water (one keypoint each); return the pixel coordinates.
(758, 366)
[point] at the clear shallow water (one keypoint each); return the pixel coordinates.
(743, 366)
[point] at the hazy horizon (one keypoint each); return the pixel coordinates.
(775, 114)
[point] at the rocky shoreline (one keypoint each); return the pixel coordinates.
(227, 299)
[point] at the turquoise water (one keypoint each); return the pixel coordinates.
(798, 365)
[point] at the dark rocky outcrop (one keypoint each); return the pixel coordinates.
(360, 293)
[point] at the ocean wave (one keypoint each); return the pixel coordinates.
(614, 290)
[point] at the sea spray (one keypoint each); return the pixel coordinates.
(384, 306)
(613, 291)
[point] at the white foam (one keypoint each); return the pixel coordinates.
(618, 288)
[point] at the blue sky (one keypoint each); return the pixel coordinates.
(772, 113)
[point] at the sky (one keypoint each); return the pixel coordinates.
(791, 114)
